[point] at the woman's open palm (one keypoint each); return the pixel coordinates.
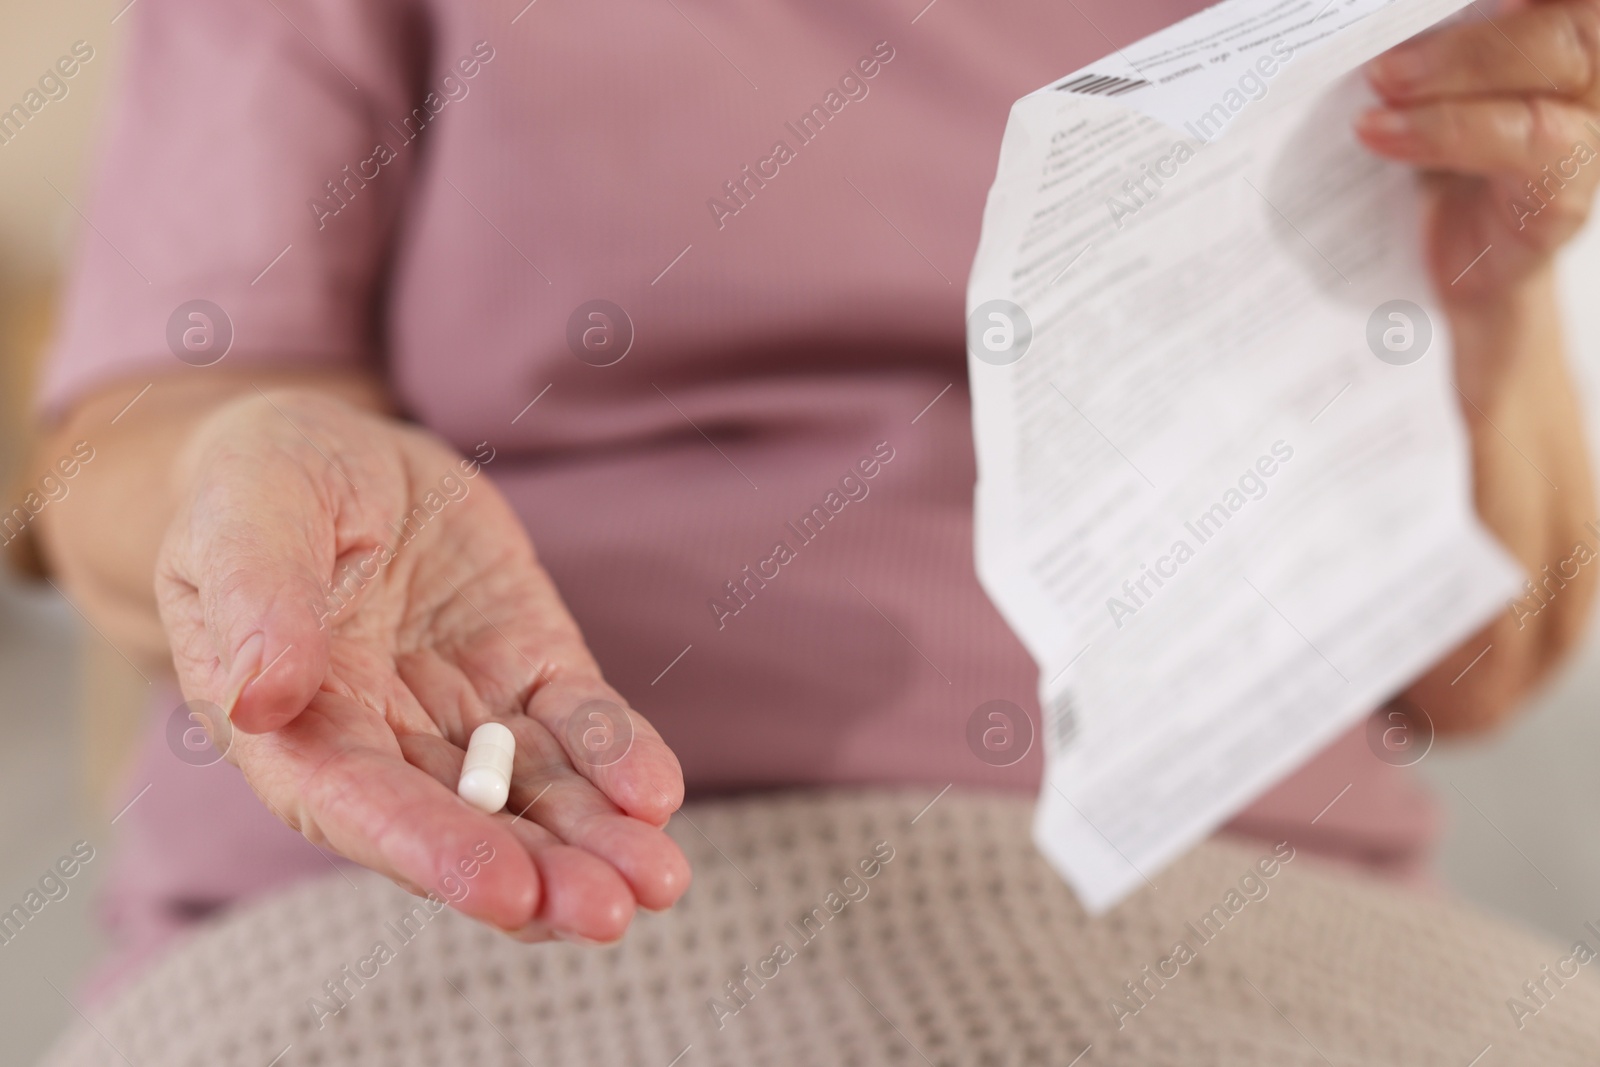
(351, 711)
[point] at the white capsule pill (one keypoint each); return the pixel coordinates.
(486, 774)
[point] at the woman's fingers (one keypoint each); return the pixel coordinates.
(585, 898)
(339, 784)
(611, 745)
(1502, 115)
(593, 880)
(513, 642)
(1546, 48)
(1499, 135)
(551, 795)
(1539, 153)
(547, 790)
(585, 727)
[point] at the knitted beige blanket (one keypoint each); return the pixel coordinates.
(866, 928)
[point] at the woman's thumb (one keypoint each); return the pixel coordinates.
(263, 558)
(277, 660)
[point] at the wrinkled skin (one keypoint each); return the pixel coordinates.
(350, 719)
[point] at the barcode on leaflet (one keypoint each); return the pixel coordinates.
(1101, 85)
(1060, 724)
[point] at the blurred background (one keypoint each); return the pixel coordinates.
(56, 765)
(1522, 806)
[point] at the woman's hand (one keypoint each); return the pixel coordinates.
(1503, 118)
(1486, 108)
(350, 714)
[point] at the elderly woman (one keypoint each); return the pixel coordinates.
(479, 304)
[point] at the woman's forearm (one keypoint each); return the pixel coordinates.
(1533, 489)
(102, 537)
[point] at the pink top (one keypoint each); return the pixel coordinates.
(783, 197)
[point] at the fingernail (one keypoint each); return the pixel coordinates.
(246, 665)
(1385, 122)
(1401, 68)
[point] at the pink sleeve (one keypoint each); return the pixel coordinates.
(230, 122)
